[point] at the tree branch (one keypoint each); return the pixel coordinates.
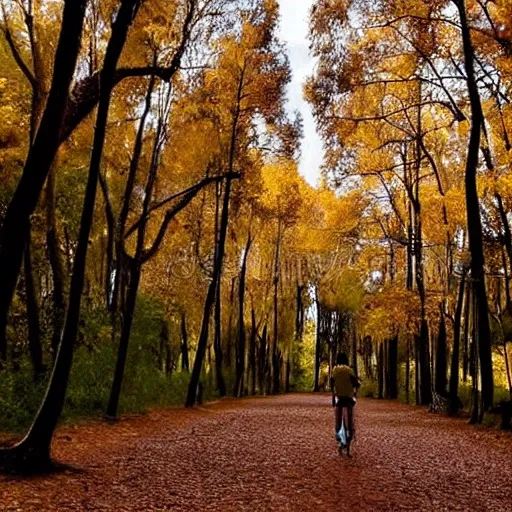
(17, 56)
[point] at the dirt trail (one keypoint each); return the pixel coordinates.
(273, 454)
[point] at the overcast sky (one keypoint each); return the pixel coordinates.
(294, 31)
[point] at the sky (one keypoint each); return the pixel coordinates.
(294, 31)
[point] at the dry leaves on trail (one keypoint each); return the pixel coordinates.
(273, 454)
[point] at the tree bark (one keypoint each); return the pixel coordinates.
(408, 370)
(299, 314)
(473, 216)
(453, 404)
(262, 360)
(380, 371)
(131, 300)
(184, 343)
(252, 352)
(54, 257)
(393, 367)
(240, 353)
(354, 348)
(441, 358)
(217, 343)
(210, 299)
(507, 236)
(316, 384)
(16, 223)
(34, 333)
(275, 357)
(33, 452)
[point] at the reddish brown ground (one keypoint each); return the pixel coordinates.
(273, 454)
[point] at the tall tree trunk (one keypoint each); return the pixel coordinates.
(34, 333)
(507, 369)
(164, 347)
(210, 299)
(118, 273)
(287, 375)
(473, 216)
(408, 370)
(417, 370)
(275, 357)
(184, 343)
(54, 257)
(217, 342)
(299, 314)
(262, 360)
(217, 337)
(316, 384)
(466, 355)
(385, 368)
(131, 300)
(354, 348)
(240, 359)
(393, 367)
(507, 237)
(441, 358)
(252, 352)
(380, 371)
(506, 275)
(229, 337)
(453, 404)
(425, 380)
(16, 223)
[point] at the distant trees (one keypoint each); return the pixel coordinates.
(407, 92)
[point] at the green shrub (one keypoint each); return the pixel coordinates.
(369, 389)
(303, 357)
(144, 384)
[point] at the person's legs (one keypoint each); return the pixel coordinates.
(339, 412)
(350, 422)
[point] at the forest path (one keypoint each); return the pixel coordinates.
(273, 454)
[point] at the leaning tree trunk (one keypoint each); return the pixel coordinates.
(473, 215)
(33, 452)
(16, 223)
(210, 299)
(128, 313)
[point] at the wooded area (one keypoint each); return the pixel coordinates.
(158, 244)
